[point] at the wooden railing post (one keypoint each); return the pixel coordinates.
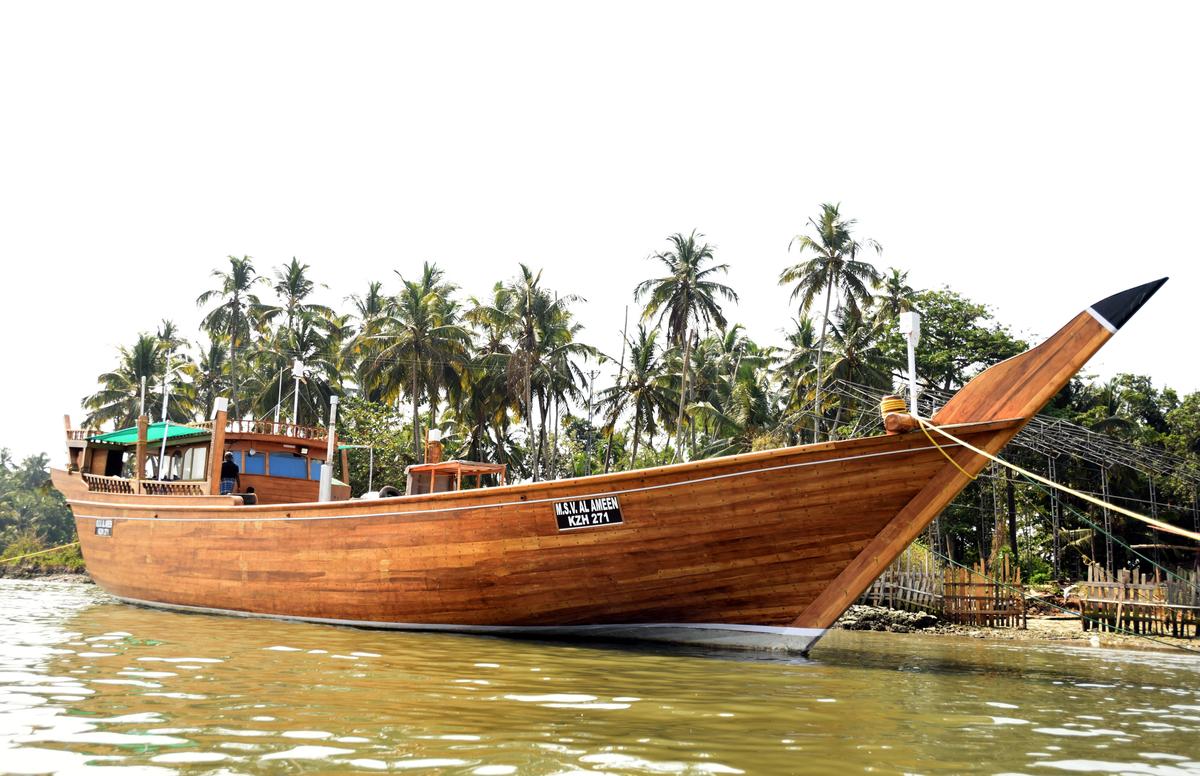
(139, 453)
(217, 447)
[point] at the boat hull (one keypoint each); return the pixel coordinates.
(721, 552)
(761, 549)
(712, 635)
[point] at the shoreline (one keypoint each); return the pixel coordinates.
(48, 573)
(1041, 629)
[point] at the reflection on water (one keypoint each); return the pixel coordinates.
(91, 686)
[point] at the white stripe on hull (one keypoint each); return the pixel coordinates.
(721, 635)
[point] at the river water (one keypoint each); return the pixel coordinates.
(91, 686)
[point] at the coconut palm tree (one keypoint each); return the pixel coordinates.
(417, 335)
(292, 288)
(360, 348)
(298, 323)
(895, 295)
(684, 297)
(644, 385)
(834, 266)
(120, 394)
(119, 397)
(794, 366)
(538, 325)
(211, 380)
(856, 344)
(235, 313)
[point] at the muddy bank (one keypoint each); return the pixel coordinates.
(1045, 628)
(52, 573)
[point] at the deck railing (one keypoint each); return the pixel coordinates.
(156, 488)
(80, 434)
(268, 427)
(98, 484)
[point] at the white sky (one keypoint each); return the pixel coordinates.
(1034, 156)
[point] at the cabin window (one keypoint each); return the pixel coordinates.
(288, 465)
(314, 470)
(114, 462)
(255, 463)
(194, 461)
(175, 467)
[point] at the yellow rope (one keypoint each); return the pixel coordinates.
(942, 450)
(39, 552)
(1150, 521)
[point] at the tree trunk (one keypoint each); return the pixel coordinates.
(554, 442)
(687, 354)
(637, 432)
(418, 448)
(821, 358)
(233, 381)
(541, 440)
(532, 440)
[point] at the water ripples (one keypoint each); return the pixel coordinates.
(90, 686)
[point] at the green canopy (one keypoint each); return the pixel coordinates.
(154, 433)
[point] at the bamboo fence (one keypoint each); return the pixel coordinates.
(1137, 603)
(986, 597)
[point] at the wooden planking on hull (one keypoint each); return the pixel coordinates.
(693, 548)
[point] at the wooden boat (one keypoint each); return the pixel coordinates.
(764, 549)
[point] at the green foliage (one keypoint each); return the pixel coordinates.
(362, 422)
(30, 507)
(959, 338)
(33, 517)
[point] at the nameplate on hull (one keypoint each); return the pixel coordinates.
(587, 512)
(104, 528)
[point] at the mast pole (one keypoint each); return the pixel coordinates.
(297, 372)
(162, 453)
(279, 399)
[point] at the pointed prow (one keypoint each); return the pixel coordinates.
(1022, 385)
(1114, 311)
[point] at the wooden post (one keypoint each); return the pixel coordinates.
(217, 446)
(139, 454)
(345, 466)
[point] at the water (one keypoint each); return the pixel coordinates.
(94, 687)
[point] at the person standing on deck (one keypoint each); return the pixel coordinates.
(231, 476)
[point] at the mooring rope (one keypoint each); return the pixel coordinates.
(1152, 522)
(1095, 621)
(39, 552)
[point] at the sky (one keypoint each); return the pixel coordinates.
(1035, 157)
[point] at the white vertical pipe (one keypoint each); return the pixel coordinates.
(162, 453)
(325, 493)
